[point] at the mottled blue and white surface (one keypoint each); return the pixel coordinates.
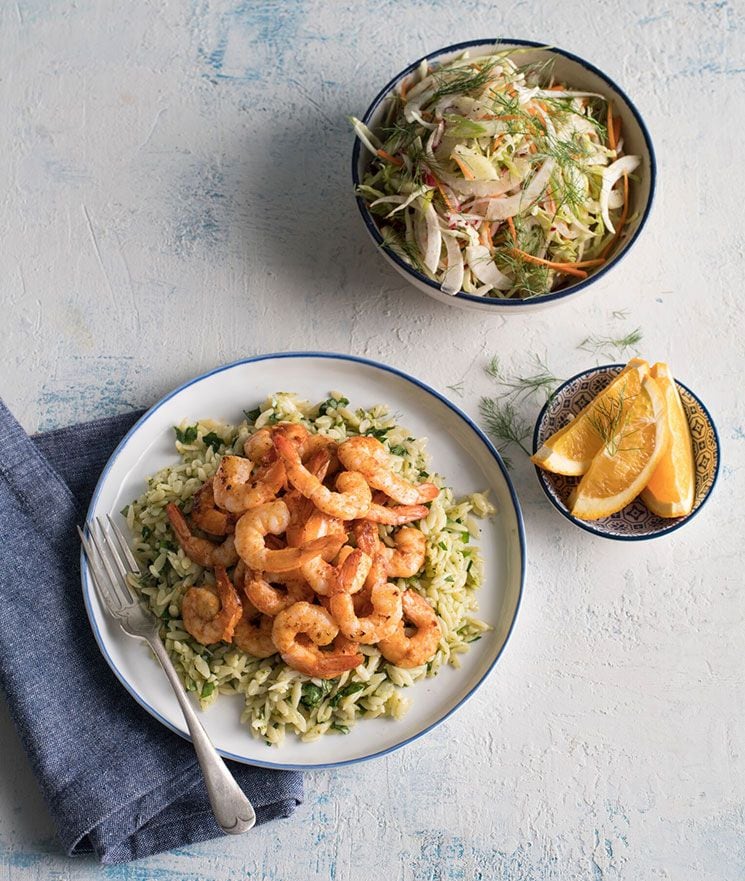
(175, 182)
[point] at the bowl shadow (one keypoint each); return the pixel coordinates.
(297, 212)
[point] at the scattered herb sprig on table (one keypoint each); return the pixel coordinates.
(612, 346)
(502, 419)
(522, 387)
(505, 425)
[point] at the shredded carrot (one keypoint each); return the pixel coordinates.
(559, 87)
(444, 194)
(496, 142)
(617, 128)
(484, 236)
(388, 158)
(404, 89)
(622, 220)
(567, 268)
(513, 231)
(611, 128)
(467, 173)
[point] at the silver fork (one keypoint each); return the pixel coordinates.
(110, 562)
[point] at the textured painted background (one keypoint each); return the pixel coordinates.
(176, 194)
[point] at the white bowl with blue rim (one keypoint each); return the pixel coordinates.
(579, 74)
(459, 450)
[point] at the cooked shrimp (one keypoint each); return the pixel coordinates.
(378, 573)
(237, 488)
(366, 535)
(407, 558)
(405, 650)
(306, 521)
(211, 614)
(319, 462)
(395, 515)
(201, 550)
(327, 553)
(239, 574)
(350, 502)
(348, 575)
(379, 623)
(271, 599)
(253, 635)
(272, 518)
(301, 630)
(294, 432)
(207, 516)
(317, 525)
(259, 447)
(319, 444)
(368, 456)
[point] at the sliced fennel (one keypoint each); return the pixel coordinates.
(495, 179)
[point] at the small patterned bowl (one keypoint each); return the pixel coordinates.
(635, 522)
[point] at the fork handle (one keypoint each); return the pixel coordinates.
(233, 811)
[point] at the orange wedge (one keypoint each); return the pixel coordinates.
(671, 488)
(572, 448)
(628, 457)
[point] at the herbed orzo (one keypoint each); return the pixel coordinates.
(278, 698)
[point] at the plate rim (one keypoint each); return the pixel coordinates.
(586, 524)
(355, 359)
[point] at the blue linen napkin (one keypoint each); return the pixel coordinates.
(117, 782)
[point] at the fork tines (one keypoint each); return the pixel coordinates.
(111, 561)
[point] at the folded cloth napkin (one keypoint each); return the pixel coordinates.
(117, 782)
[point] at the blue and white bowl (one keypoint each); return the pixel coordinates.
(579, 74)
(635, 522)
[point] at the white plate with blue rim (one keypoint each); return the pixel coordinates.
(459, 451)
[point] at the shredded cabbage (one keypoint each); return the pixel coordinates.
(495, 179)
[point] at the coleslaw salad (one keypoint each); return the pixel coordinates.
(496, 180)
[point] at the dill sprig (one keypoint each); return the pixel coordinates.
(531, 279)
(612, 346)
(518, 121)
(523, 387)
(460, 80)
(568, 156)
(404, 249)
(538, 72)
(456, 387)
(504, 424)
(493, 367)
(566, 105)
(399, 135)
(620, 313)
(608, 418)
